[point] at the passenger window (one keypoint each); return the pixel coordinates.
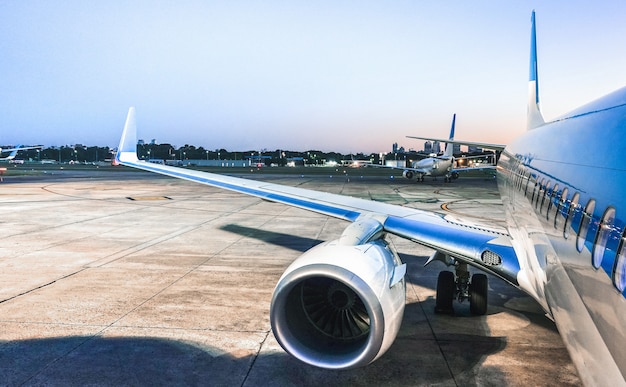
(532, 199)
(560, 208)
(585, 221)
(551, 199)
(573, 207)
(546, 195)
(526, 184)
(522, 178)
(619, 268)
(540, 193)
(602, 236)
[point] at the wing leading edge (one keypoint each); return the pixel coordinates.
(456, 238)
(497, 147)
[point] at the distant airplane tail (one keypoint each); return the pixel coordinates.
(450, 146)
(534, 116)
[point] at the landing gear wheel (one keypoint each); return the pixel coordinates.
(445, 293)
(478, 294)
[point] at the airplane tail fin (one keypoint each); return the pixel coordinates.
(127, 150)
(534, 117)
(450, 146)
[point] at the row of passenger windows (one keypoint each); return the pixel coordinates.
(564, 210)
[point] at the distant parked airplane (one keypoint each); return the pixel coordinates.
(14, 151)
(443, 165)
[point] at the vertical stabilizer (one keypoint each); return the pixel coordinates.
(534, 116)
(127, 150)
(449, 146)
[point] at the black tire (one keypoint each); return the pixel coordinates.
(445, 293)
(478, 294)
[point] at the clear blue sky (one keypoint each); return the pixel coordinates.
(351, 76)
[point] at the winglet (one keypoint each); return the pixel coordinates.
(127, 150)
(534, 117)
(450, 146)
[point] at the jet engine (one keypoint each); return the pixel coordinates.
(340, 306)
(408, 174)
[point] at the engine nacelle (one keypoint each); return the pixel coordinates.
(340, 306)
(408, 174)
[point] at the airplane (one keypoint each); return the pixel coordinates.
(14, 151)
(443, 165)
(340, 304)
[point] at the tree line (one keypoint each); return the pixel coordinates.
(90, 154)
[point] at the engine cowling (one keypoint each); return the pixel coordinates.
(408, 174)
(339, 306)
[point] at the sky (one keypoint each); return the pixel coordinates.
(347, 76)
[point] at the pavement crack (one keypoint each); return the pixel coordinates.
(41, 286)
(254, 359)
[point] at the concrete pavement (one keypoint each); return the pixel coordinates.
(135, 279)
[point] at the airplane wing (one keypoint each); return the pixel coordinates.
(19, 147)
(497, 147)
(11, 156)
(463, 240)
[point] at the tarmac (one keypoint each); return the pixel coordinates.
(131, 279)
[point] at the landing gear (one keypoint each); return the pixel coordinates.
(478, 294)
(451, 176)
(445, 293)
(462, 289)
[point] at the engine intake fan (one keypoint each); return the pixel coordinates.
(339, 306)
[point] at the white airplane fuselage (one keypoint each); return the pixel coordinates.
(567, 214)
(434, 166)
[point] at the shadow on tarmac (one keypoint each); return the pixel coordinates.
(84, 360)
(418, 356)
(292, 242)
